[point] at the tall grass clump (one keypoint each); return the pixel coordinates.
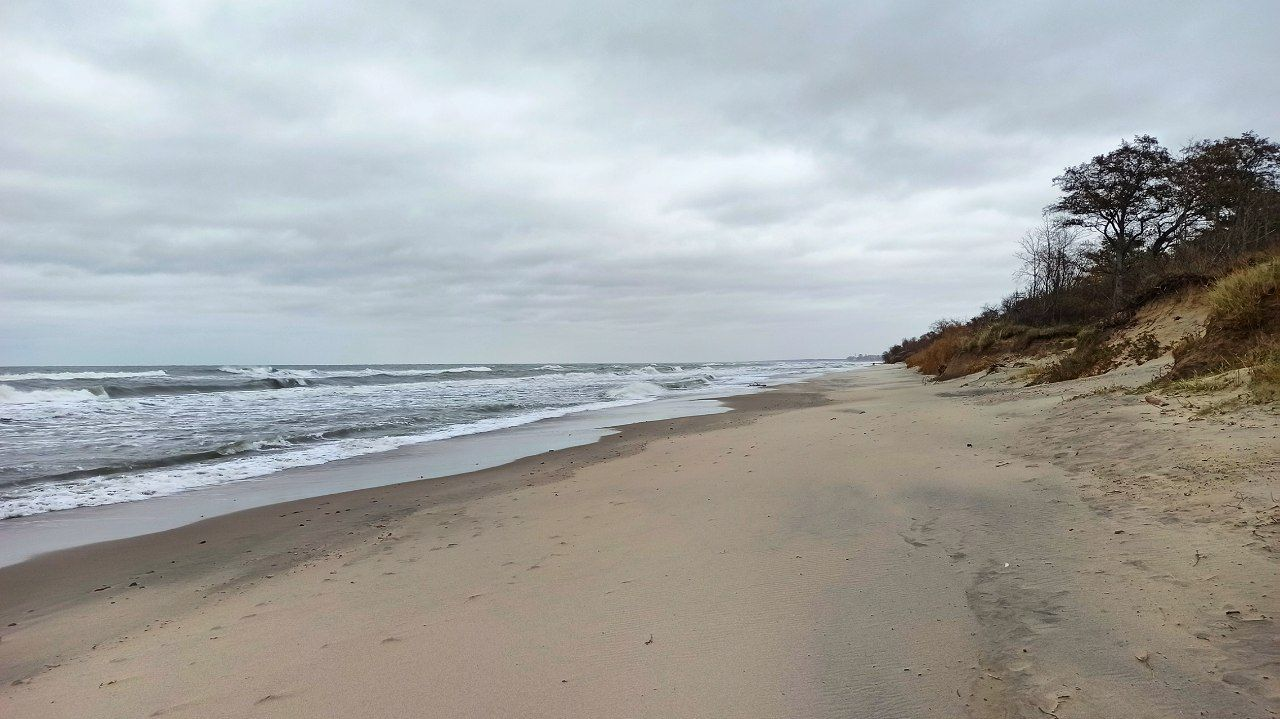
(1243, 331)
(1244, 300)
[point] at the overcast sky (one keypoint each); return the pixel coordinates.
(276, 182)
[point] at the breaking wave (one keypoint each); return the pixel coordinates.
(305, 374)
(9, 395)
(242, 462)
(60, 376)
(157, 432)
(152, 390)
(636, 390)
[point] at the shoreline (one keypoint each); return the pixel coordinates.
(238, 425)
(862, 544)
(25, 537)
(40, 585)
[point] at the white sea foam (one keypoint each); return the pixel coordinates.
(257, 445)
(51, 432)
(112, 489)
(636, 390)
(9, 395)
(59, 376)
(305, 374)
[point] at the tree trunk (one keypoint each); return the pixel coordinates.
(1117, 281)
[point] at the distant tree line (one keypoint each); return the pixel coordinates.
(1136, 220)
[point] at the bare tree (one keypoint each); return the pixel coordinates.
(1050, 256)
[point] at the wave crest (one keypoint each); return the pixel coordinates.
(305, 374)
(636, 390)
(9, 395)
(61, 376)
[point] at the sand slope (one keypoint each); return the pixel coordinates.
(865, 546)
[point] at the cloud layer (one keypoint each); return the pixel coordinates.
(406, 181)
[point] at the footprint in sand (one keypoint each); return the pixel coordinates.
(911, 540)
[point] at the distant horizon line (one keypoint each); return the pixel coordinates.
(850, 357)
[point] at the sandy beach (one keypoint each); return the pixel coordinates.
(865, 545)
(639, 360)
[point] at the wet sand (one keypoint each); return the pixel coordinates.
(860, 546)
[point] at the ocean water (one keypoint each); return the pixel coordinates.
(84, 436)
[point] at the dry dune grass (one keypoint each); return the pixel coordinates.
(951, 355)
(1242, 332)
(933, 360)
(1242, 300)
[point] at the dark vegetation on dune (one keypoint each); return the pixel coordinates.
(1130, 227)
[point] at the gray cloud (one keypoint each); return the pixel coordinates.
(404, 181)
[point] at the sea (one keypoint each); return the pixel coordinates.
(87, 436)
